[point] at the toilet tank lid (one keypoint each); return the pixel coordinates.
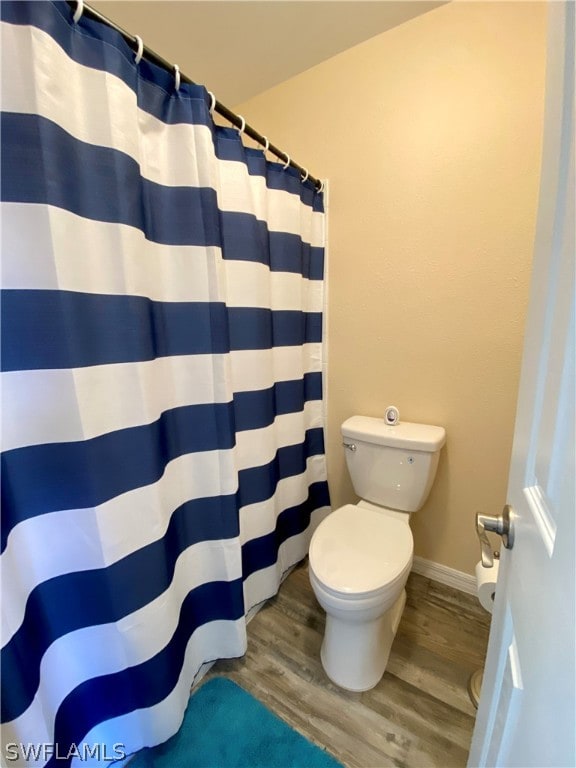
(415, 437)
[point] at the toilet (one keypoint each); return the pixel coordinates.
(361, 554)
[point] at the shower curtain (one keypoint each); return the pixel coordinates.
(163, 461)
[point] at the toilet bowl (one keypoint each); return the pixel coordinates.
(359, 562)
(360, 555)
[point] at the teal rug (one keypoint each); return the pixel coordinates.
(225, 727)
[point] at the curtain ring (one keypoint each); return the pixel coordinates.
(303, 178)
(78, 12)
(140, 51)
(176, 77)
(321, 187)
(287, 163)
(212, 102)
(266, 145)
(241, 130)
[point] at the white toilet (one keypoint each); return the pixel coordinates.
(361, 554)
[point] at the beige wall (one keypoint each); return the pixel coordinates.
(430, 137)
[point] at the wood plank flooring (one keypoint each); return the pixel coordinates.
(418, 716)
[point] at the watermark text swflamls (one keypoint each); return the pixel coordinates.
(84, 752)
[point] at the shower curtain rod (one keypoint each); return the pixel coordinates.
(236, 120)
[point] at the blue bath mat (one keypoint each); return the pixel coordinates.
(225, 727)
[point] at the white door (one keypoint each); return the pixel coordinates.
(527, 714)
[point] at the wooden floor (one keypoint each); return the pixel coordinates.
(419, 715)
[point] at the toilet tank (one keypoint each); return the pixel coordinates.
(392, 466)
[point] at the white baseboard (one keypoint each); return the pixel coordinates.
(449, 576)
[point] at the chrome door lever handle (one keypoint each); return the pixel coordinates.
(502, 525)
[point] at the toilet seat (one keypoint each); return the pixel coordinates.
(358, 552)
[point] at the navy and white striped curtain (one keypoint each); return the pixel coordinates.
(163, 461)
